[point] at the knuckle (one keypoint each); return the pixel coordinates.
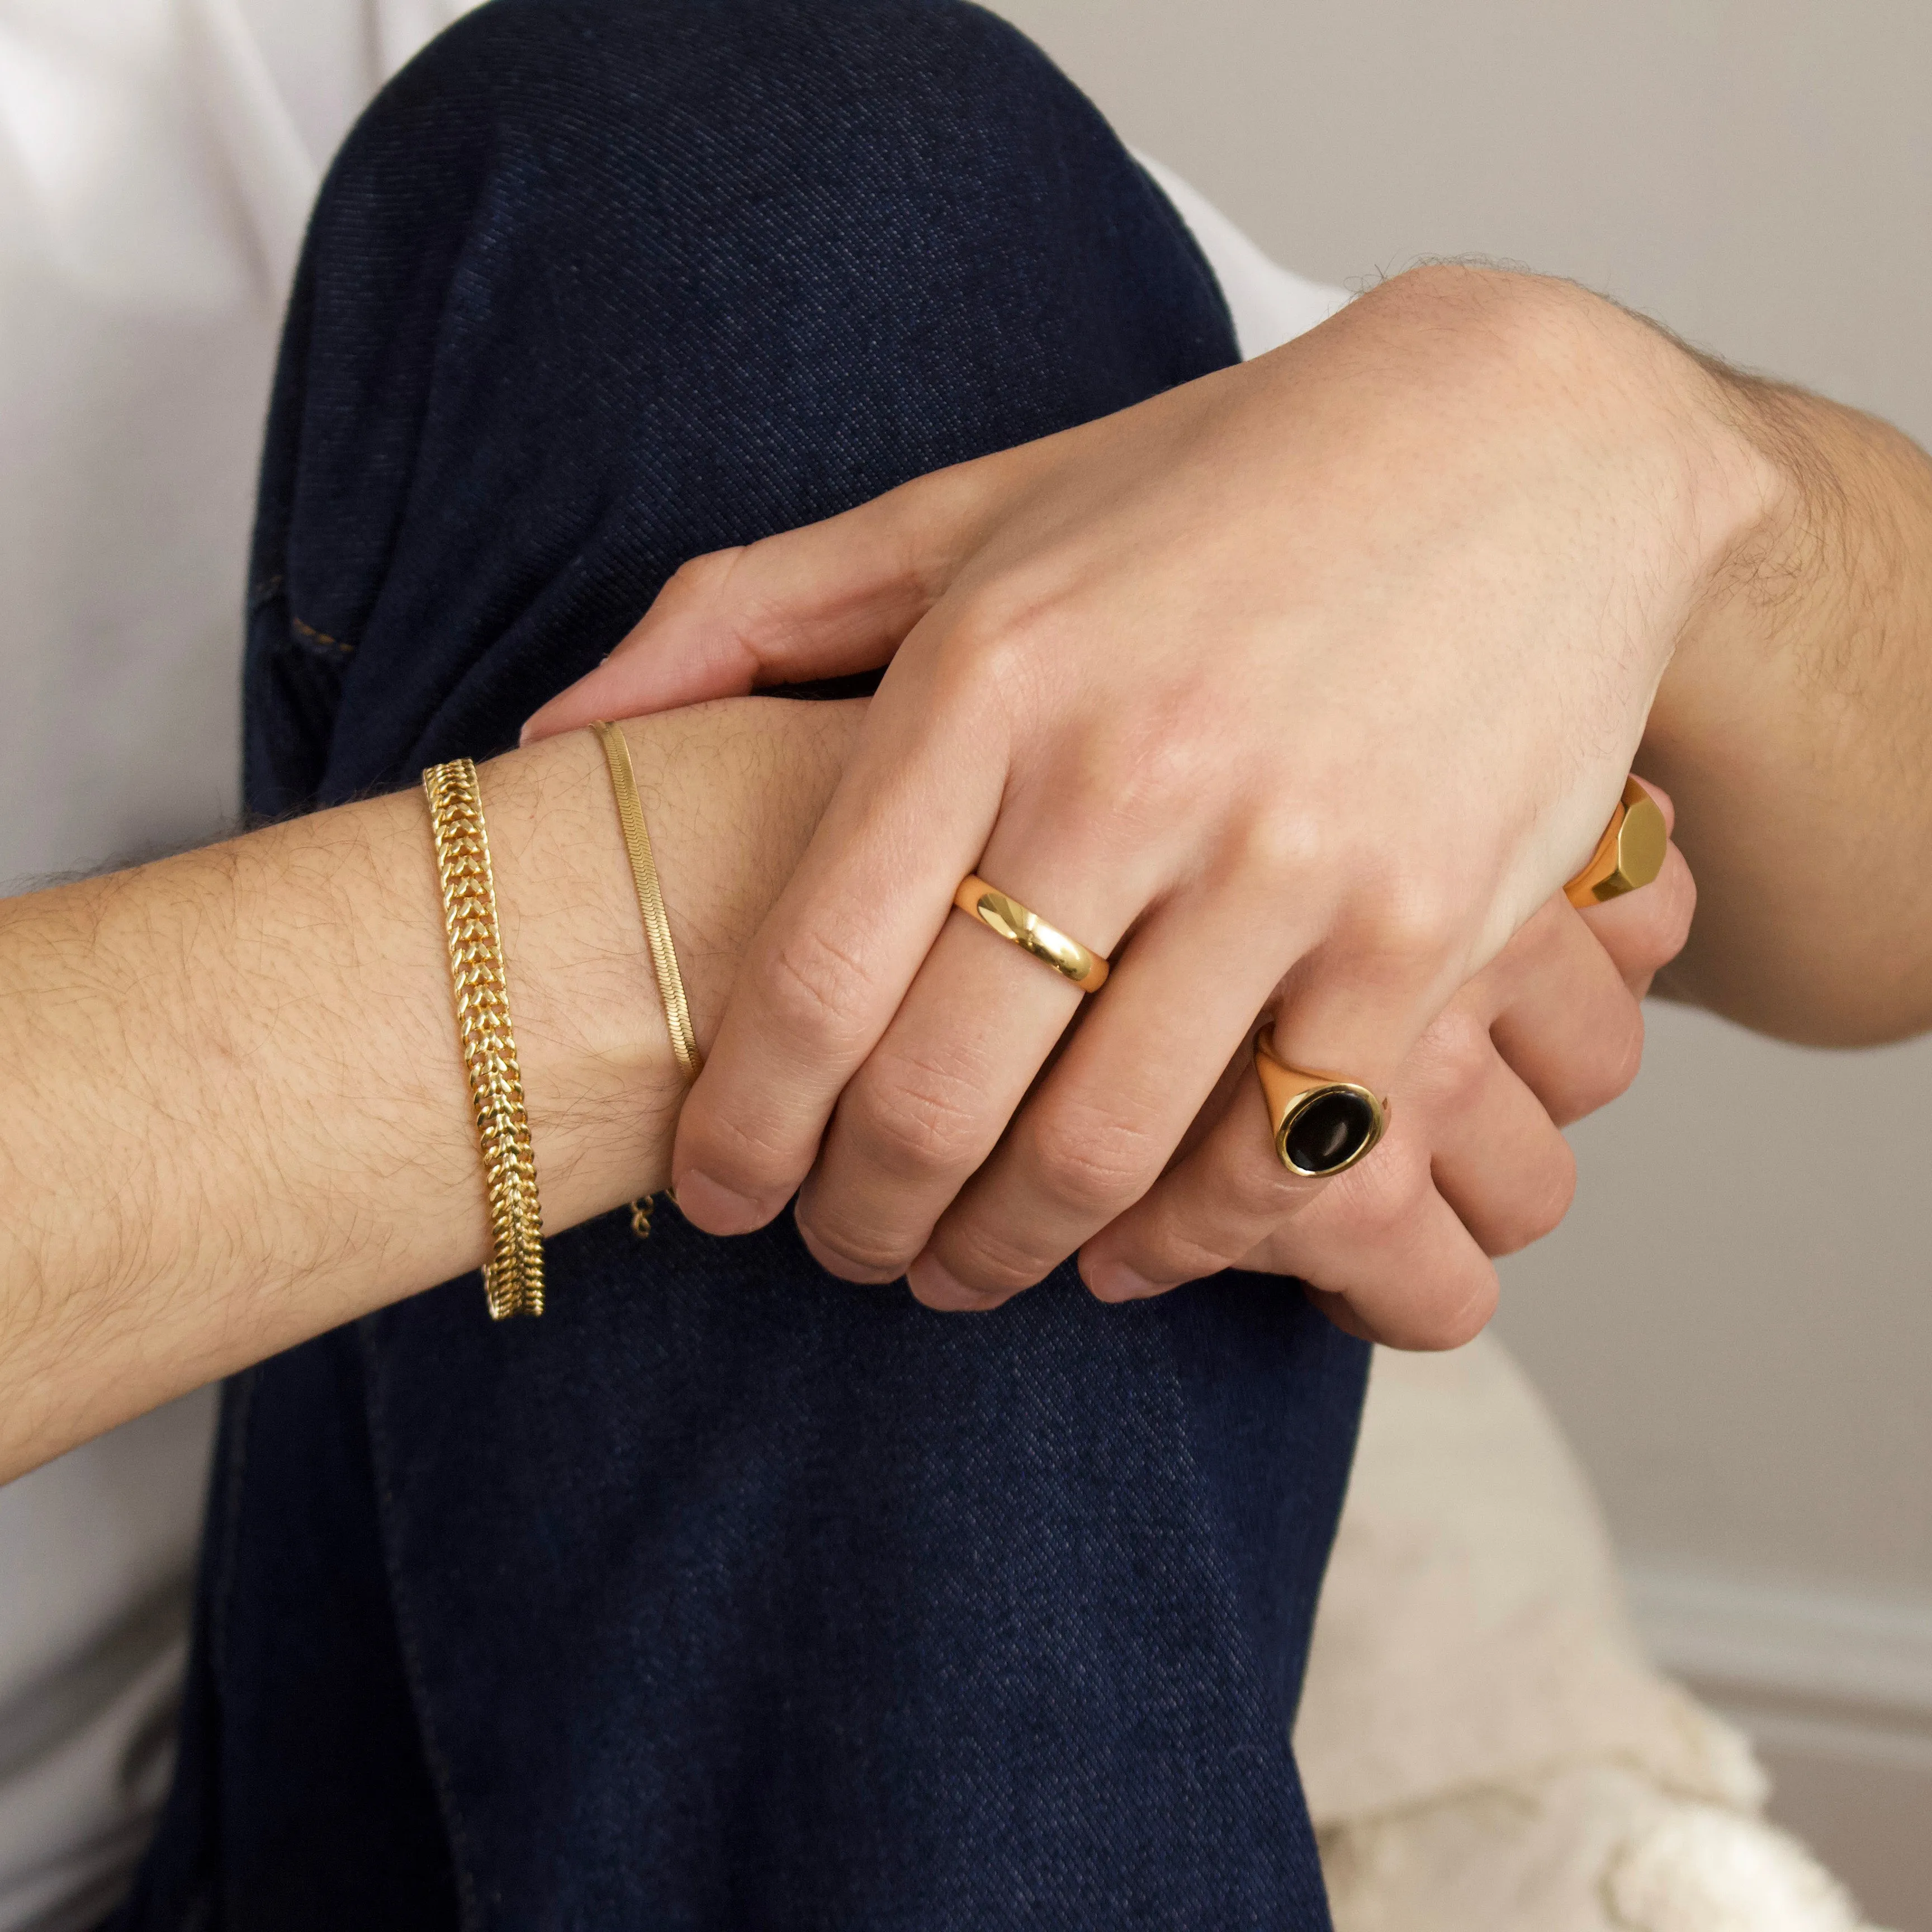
(1283, 845)
(1148, 762)
(1621, 1050)
(918, 1116)
(1539, 1198)
(1677, 907)
(1175, 1253)
(1376, 1200)
(991, 1262)
(699, 580)
(1124, 769)
(1410, 925)
(1440, 1309)
(998, 647)
(1254, 1197)
(815, 991)
(1092, 1163)
(1454, 1311)
(1417, 922)
(851, 1253)
(720, 589)
(749, 1157)
(1192, 1257)
(1607, 1060)
(1455, 1061)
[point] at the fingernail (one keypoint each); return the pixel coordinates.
(1114, 1281)
(938, 1287)
(717, 1209)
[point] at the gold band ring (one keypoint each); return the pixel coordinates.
(1630, 853)
(1321, 1125)
(1031, 933)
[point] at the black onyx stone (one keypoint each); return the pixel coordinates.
(1330, 1131)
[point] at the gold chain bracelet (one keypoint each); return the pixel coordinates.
(513, 1277)
(657, 926)
(650, 898)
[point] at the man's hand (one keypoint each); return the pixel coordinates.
(1297, 689)
(1399, 1248)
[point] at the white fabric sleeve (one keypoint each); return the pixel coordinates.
(1270, 304)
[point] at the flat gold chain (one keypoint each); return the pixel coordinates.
(513, 1277)
(650, 898)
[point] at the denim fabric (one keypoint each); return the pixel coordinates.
(727, 1595)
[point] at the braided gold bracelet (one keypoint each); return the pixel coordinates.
(513, 1276)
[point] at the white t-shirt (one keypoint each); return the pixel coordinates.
(158, 159)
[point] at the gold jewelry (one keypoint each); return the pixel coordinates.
(1321, 1125)
(1031, 933)
(650, 898)
(1630, 853)
(513, 1276)
(657, 926)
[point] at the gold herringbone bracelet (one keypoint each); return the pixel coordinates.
(650, 898)
(513, 1277)
(657, 925)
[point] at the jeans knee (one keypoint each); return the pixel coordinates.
(598, 285)
(771, 155)
(745, 112)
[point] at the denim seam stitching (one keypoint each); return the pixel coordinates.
(434, 1757)
(307, 634)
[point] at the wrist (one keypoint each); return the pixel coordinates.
(1672, 434)
(600, 1086)
(731, 792)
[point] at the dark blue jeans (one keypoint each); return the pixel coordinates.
(727, 1595)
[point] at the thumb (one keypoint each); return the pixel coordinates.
(831, 599)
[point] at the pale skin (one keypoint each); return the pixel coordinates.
(235, 1110)
(1295, 689)
(236, 1113)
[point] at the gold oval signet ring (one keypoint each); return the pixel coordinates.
(1322, 1125)
(1630, 853)
(1031, 933)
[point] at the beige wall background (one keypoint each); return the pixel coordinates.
(1735, 1323)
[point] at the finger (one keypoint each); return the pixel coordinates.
(1664, 803)
(1097, 1133)
(829, 598)
(1334, 1306)
(1644, 929)
(1384, 1254)
(1562, 996)
(1642, 932)
(1499, 1159)
(1228, 1193)
(822, 978)
(1045, 1197)
(1496, 1157)
(933, 1097)
(1350, 1009)
(1560, 1013)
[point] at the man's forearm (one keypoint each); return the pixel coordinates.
(236, 1113)
(1794, 729)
